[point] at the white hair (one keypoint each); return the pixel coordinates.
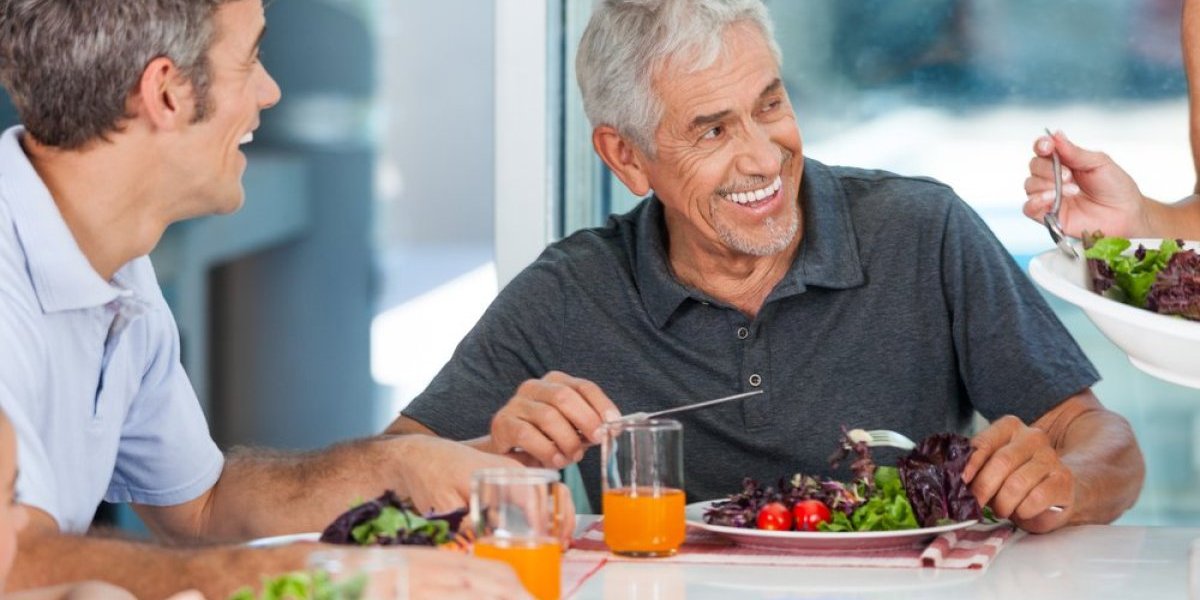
(627, 41)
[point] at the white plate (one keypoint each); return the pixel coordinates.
(1164, 346)
(284, 540)
(819, 541)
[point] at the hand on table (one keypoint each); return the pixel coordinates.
(1017, 472)
(1098, 195)
(434, 574)
(436, 472)
(553, 419)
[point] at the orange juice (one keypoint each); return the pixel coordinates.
(644, 521)
(536, 562)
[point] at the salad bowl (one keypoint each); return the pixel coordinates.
(1166, 347)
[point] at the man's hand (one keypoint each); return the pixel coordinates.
(436, 472)
(1016, 470)
(1098, 195)
(552, 419)
(433, 574)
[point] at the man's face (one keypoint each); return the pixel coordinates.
(728, 161)
(240, 89)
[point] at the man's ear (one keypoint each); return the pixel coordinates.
(164, 96)
(624, 159)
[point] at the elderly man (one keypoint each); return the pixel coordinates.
(852, 297)
(134, 113)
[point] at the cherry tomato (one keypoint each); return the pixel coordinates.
(808, 514)
(774, 517)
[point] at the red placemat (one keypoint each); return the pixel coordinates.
(970, 548)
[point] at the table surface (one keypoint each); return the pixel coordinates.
(1092, 561)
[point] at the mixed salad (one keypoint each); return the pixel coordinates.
(925, 489)
(1164, 280)
(305, 585)
(390, 520)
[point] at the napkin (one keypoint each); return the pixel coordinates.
(971, 548)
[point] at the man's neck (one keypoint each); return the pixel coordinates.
(741, 280)
(104, 199)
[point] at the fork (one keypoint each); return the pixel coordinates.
(1050, 219)
(881, 437)
(885, 437)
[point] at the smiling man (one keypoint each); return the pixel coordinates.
(134, 114)
(852, 297)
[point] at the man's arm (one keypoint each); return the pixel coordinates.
(49, 558)
(263, 493)
(1079, 455)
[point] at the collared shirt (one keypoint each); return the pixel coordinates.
(89, 369)
(900, 311)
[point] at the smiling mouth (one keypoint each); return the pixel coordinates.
(753, 197)
(246, 139)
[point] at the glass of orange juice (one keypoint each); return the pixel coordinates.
(516, 518)
(642, 462)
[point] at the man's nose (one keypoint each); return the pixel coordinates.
(759, 155)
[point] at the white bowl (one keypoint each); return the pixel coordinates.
(1164, 346)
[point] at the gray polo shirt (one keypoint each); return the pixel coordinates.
(901, 311)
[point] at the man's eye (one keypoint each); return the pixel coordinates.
(772, 105)
(713, 133)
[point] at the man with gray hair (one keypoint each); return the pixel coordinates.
(851, 297)
(134, 114)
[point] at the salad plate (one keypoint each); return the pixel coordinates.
(819, 541)
(284, 540)
(1166, 347)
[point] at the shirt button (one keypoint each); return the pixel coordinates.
(743, 333)
(755, 380)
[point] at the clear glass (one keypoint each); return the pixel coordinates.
(383, 572)
(642, 464)
(517, 518)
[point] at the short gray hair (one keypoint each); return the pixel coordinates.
(70, 65)
(627, 41)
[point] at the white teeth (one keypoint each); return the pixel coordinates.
(246, 139)
(756, 195)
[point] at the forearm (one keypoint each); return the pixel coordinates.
(149, 572)
(1103, 455)
(1178, 220)
(263, 493)
(1190, 36)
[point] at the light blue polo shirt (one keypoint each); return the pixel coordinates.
(89, 369)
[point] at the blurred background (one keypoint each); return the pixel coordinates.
(424, 151)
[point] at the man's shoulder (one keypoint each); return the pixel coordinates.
(885, 186)
(595, 250)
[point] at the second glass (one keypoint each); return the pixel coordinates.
(642, 463)
(516, 513)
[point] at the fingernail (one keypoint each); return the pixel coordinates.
(1070, 189)
(1044, 144)
(1048, 195)
(598, 435)
(559, 461)
(578, 456)
(611, 415)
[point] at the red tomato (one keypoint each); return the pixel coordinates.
(774, 517)
(808, 514)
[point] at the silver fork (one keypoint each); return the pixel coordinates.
(881, 437)
(1051, 218)
(886, 437)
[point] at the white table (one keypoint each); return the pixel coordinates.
(1079, 562)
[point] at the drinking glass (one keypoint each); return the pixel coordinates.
(642, 463)
(378, 573)
(516, 517)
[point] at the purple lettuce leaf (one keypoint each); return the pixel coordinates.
(932, 477)
(1176, 290)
